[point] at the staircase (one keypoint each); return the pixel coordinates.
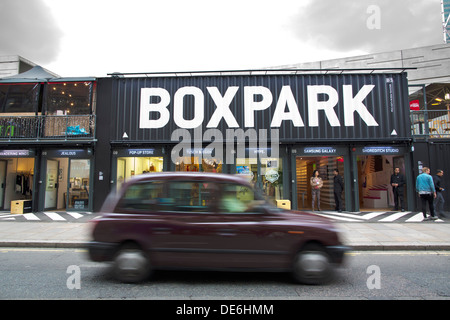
(376, 192)
(376, 197)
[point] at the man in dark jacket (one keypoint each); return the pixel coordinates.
(398, 183)
(338, 184)
(439, 201)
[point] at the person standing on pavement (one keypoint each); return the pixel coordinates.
(427, 192)
(316, 184)
(398, 183)
(439, 201)
(338, 185)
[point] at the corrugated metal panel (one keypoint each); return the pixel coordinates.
(387, 102)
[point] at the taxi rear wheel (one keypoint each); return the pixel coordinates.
(312, 265)
(131, 264)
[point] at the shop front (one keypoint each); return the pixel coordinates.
(373, 166)
(129, 162)
(17, 179)
(66, 180)
(268, 170)
(325, 159)
(276, 129)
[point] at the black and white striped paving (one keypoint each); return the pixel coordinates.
(48, 216)
(378, 216)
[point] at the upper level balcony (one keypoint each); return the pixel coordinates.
(430, 124)
(21, 128)
(54, 110)
(430, 111)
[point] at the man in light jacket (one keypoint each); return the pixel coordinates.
(427, 192)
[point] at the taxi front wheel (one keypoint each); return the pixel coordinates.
(312, 265)
(131, 264)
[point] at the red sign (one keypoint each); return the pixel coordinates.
(414, 105)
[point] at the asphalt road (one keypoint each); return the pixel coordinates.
(28, 273)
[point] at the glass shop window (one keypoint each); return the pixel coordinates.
(19, 98)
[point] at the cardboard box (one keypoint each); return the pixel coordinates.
(21, 206)
(284, 204)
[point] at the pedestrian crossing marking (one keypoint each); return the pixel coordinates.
(54, 216)
(372, 215)
(394, 216)
(416, 218)
(338, 218)
(30, 216)
(76, 215)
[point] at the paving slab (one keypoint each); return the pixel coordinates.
(360, 236)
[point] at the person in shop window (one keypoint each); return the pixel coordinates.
(316, 184)
(398, 183)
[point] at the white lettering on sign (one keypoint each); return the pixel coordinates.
(320, 99)
(314, 105)
(250, 105)
(178, 108)
(223, 107)
(352, 104)
(147, 107)
(286, 99)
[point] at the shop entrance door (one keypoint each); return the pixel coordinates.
(325, 165)
(2, 182)
(374, 175)
(78, 188)
(51, 187)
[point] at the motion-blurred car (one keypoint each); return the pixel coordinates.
(209, 221)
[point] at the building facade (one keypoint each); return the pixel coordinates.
(428, 73)
(65, 143)
(47, 137)
(274, 127)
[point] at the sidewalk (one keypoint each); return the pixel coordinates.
(360, 236)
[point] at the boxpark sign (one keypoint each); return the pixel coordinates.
(263, 109)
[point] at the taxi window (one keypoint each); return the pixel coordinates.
(145, 196)
(236, 198)
(170, 196)
(192, 196)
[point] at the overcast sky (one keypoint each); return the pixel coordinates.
(96, 37)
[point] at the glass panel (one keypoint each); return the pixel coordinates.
(143, 197)
(79, 184)
(51, 184)
(128, 167)
(20, 98)
(174, 196)
(192, 196)
(193, 164)
(236, 199)
(68, 98)
(248, 167)
(272, 177)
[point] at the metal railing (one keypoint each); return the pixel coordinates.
(66, 127)
(430, 123)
